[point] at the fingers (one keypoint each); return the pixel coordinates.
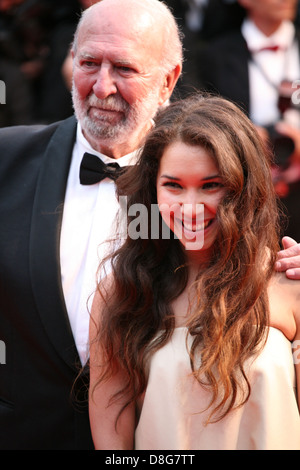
(288, 259)
(287, 242)
(290, 249)
(293, 273)
(291, 266)
(288, 265)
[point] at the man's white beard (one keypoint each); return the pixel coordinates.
(133, 117)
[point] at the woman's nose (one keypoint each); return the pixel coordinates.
(192, 207)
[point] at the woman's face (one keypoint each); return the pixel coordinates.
(189, 190)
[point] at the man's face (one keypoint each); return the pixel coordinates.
(117, 78)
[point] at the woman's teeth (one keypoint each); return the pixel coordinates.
(195, 227)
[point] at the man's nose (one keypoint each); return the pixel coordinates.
(104, 85)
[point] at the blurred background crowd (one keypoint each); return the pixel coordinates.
(35, 65)
(35, 36)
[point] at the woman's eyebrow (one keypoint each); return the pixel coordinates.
(170, 177)
(203, 179)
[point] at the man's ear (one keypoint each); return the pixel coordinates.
(169, 84)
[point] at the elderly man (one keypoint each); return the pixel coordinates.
(55, 213)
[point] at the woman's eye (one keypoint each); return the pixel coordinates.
(172, 184)
(212, 185)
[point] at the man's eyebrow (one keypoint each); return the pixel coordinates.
(118, 62)
(86, 55)
(123, 62)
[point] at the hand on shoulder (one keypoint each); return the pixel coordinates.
(288, 259)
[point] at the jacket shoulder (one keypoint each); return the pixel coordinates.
(14, 138)
(20, 146)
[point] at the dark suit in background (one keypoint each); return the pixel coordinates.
(223, 67)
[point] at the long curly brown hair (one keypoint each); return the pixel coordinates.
(230, 312)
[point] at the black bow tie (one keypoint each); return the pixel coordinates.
(93, 170)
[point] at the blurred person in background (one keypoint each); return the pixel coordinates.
(17, 106)
(201, 21)
(255, 66)
(35, 36)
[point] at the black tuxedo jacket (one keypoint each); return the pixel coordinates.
(223, 68)
(40, 408)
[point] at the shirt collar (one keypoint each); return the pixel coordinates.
(84, 146)
(283, 36)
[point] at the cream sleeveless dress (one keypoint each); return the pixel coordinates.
(171, 418)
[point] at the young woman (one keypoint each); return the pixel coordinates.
(192, 333)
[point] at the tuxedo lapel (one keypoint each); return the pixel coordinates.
(236, 76)
(45, 240)
(223, 65)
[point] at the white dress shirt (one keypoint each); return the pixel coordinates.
(89, 212)
(277, 66)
